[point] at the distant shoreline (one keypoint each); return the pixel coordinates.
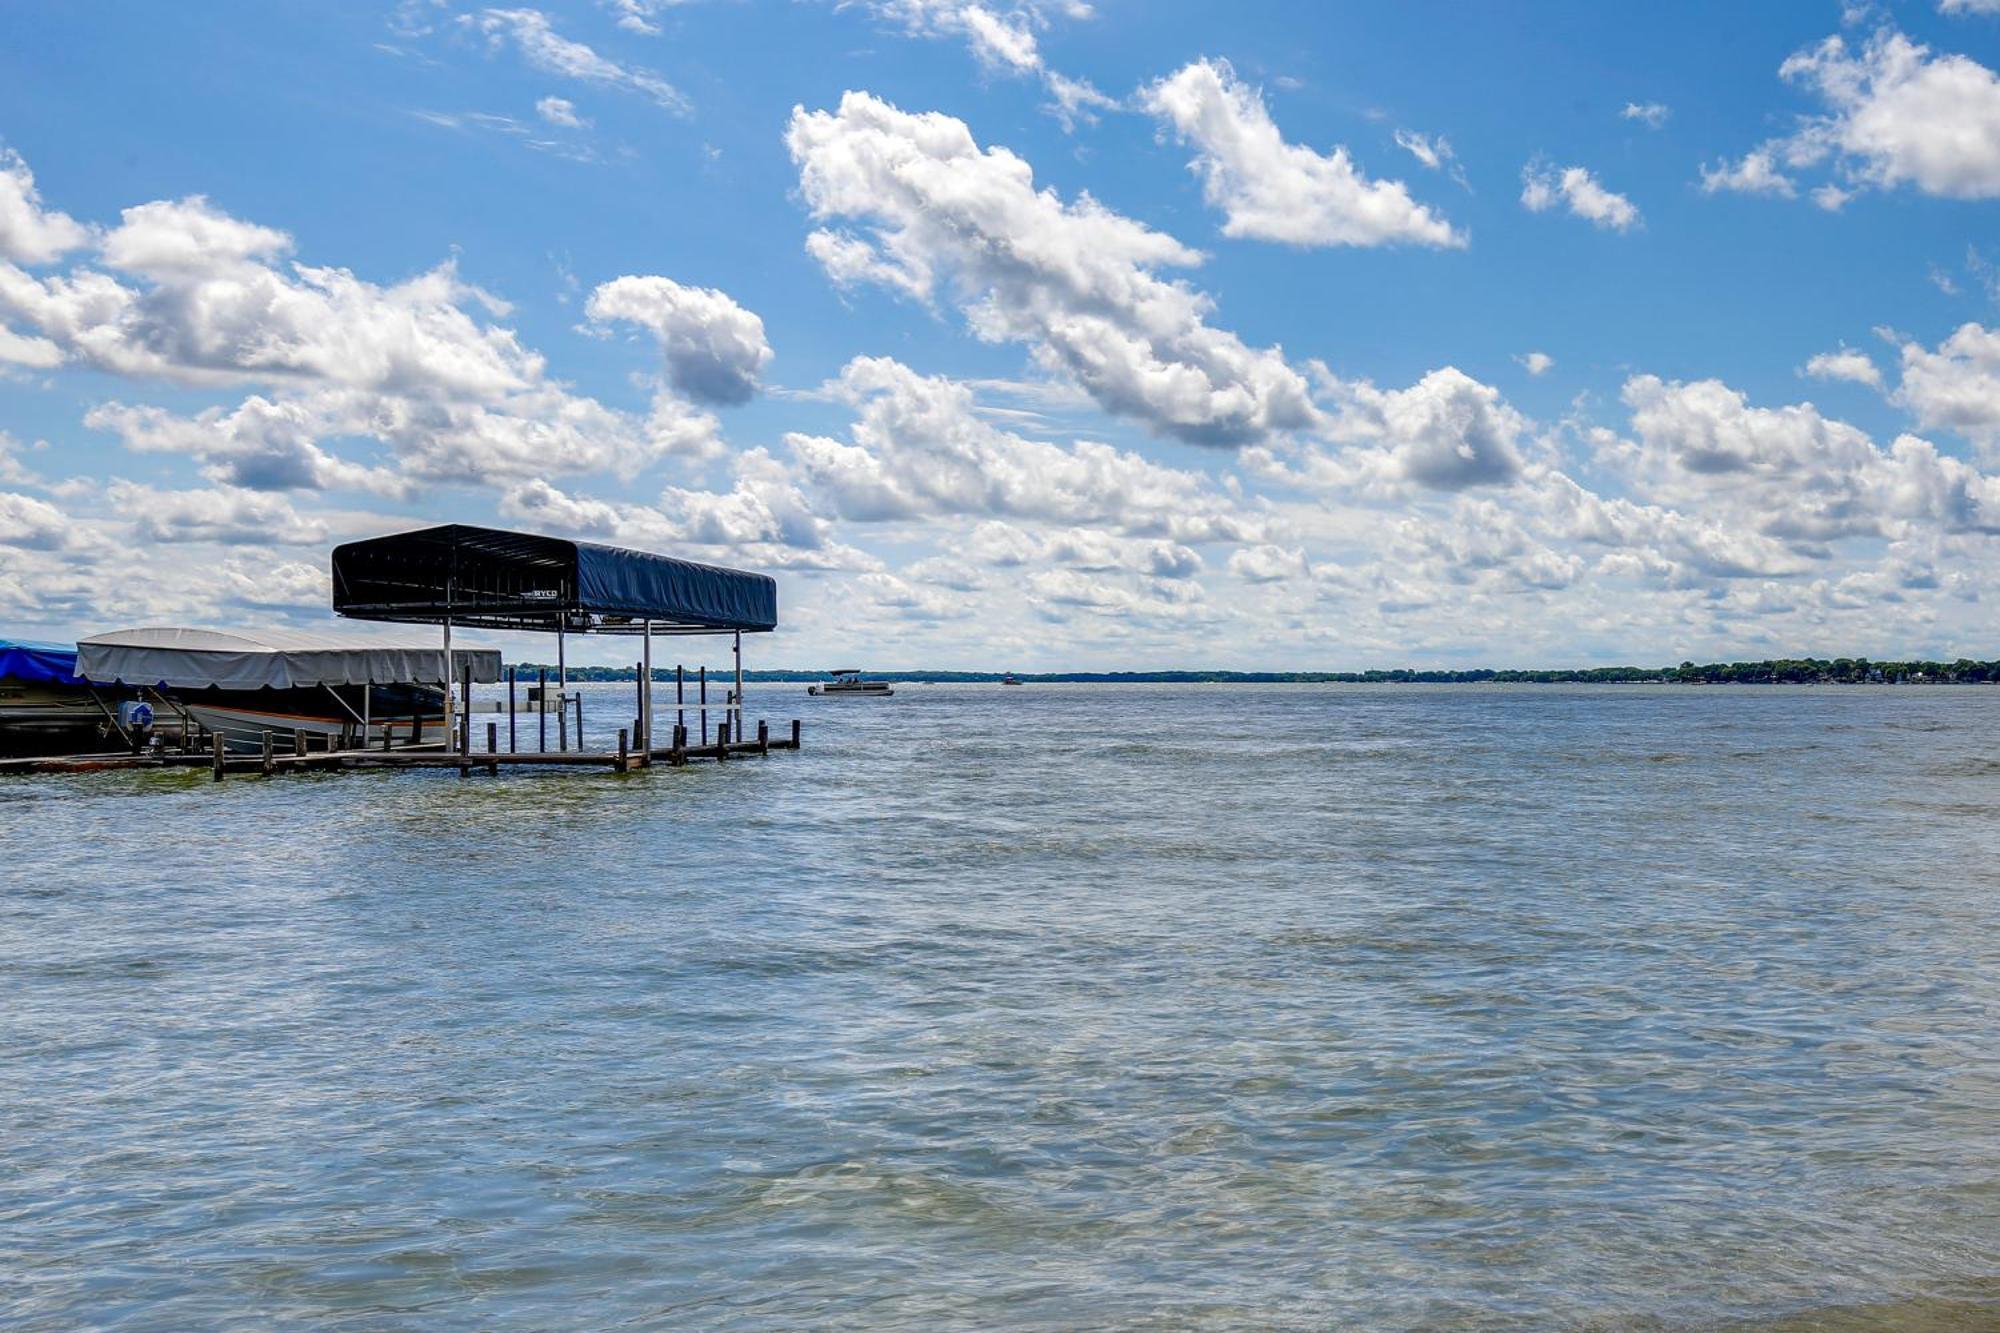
(1777, 671)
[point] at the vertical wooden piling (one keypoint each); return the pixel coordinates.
(492, 748)
(562, 723)
(513, 742)
(680, 697)
(763, 736)
(218, 756)
(542, 711)
(795, 733)
(623, 763)
(270, 754)
(702, 685)
(579, 721)
(680, 745)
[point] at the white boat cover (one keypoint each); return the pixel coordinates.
(256, 659)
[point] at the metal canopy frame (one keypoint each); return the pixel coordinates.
(491, 578)
(459, 574)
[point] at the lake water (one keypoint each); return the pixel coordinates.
(1098, 1006)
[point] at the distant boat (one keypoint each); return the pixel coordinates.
(847, 681)
(1010, 679)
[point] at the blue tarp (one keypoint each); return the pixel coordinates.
(37, 662)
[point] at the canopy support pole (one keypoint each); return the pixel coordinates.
(448, 673)
(646, 693)
(739, 685)
(562, 691)
(367, 712)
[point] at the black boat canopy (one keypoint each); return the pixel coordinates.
(498, 579)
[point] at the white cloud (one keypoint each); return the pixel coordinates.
(1433, 153)
(226, 515)
(1275, 191)
(919, 449)
(1003, 42)
(1898, 115)
(1269, 564)
(29, 233)
(714, 348)
(1075, 281)
(1957, 385)
(1446, 432)
(1542, 187)
(638, 16)
(543, 48)
(1845, 364)
(31, 523)
(1650, 114)
(1756, 173)
(1075, 101)
(194, 296)
(560, 111)
(1536, 363)
(1969, 6)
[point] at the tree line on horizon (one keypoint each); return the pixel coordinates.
(1776, 671)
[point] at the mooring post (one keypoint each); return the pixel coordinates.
(492, 748)
(270, 754)
(513, 746)
(579, 721)
(639, 708)
(218, 756)
(680, 745)
(795, 733)
(701, 684)
(562, 723)
(680, 696)
(763, 737)
(624, 763)
(542, 711)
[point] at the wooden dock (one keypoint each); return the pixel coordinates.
(222, 763)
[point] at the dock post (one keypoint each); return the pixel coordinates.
(562, 723)
(639, 709)
(624, 762)
(270, 753)
(721, 739)
(680, 745)
(702, 685)
(763, 737)
(218, 756)
(492, 747)
(513, 744)
(542, 711)
(464, 737)
(579, 721)
(795, 733)
(680, 696)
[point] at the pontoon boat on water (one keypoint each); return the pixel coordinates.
(847, 682)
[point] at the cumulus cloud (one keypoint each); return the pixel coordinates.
(1897, 114)
(1755, 173)
(1536, 363)
(30, 233)
(225, 515)
(1269, 564)
(1792, 473)
(31, 523)
(544, 49)
(1276, 191)
(1957, 384)
(714, 348)
(1845, 364)
(1543, 187)
(194, 296)
(1650, 114)
(919, 449)
(1075, 281)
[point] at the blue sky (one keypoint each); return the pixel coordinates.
(1301, 336)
